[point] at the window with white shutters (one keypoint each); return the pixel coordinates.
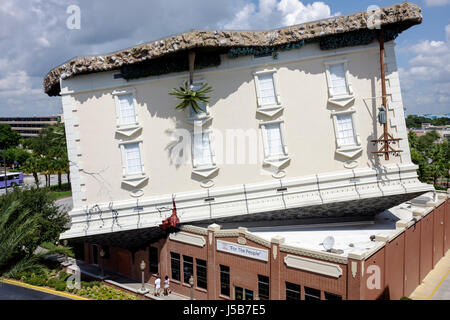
(273, 140)
(338, 80)
(266, 89)
(202, 150)
(345, 131)
(133, 158)
(126, 109)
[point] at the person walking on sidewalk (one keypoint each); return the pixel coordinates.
(166, 285)
(157, 285)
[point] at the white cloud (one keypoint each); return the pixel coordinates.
(436, 3)
(274, 13)
(426, 83)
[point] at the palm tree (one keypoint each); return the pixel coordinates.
(14, 231)
(190, 97)
(27, 219)
(32, 166)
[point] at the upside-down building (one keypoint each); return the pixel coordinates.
(303, 138)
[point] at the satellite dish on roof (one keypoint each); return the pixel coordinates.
(328, 243)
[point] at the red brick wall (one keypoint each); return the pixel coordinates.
(313, 280)
(438, 233)
(187, 250)
(243, 271)
(426, 245)
(394, 264)
(378, 260)
(412, 258)
(447, 226)
(403, 263)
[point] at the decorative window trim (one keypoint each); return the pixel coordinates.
(136, 179)
(277, 161)
(197, 119)
(348, 151)
(341, 100)
(128, 129)
(272, 109)
(204, 170)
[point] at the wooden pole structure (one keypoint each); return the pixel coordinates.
(191, 66)
(386, 138)
(383, 93)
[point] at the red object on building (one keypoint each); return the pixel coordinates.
(173, 220)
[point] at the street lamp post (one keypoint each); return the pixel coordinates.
(102, 255)
(191, 282)
(143, 290)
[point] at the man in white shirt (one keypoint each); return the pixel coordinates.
(157, 285)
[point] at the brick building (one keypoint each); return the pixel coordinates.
(385, 258)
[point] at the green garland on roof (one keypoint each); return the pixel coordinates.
(245, 51)
(348, 39)
(179, 63)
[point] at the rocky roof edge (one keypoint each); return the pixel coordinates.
(406, 14)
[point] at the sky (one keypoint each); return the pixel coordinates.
(34, 38)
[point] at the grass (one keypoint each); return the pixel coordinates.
(52, 276)
(59, 193)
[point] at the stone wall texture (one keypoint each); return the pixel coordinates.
(401, 16)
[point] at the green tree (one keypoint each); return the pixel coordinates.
(50, 150)
(8, 137)
(28, 218)
(16, 155)
(32, 165)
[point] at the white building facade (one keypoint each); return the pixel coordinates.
(286, 135)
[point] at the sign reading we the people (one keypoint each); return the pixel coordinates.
(241, 250)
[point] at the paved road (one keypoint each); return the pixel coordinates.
(29, 180)
(443, 292)
(66, 203)
(12, 292)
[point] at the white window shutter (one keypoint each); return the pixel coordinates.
(338, 82)
(345, 132)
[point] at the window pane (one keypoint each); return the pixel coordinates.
(127, 113)
(188, 268)
(202, 149)
(338, 82)
(274, 143)
(345, 134)
(225, 280)
(332, 296)
(153, 259)
(292, 291)
(266, 94)
(175, 265)
(312, 294)
(133, 158)
(263, 287)
(201, 274)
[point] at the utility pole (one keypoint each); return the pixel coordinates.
(386, 138)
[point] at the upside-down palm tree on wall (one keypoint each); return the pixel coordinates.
(187, 95)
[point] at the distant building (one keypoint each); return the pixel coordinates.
(442, 131)
(30, 126)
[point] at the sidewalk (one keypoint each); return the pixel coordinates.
(114, 279)
(436, 285)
